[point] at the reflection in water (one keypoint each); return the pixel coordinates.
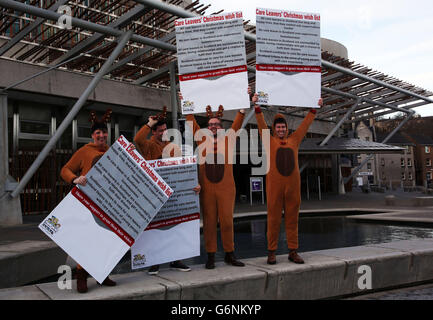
(315, 233)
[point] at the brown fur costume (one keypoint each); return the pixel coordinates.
(152, 148)
(84, 158)
(218, 191)
(283, 182)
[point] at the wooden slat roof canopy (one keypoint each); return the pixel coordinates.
(48, 44)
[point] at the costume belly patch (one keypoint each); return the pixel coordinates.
(215, 170)
(285, 161)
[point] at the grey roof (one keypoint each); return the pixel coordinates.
(345, 146)
(396, 139)
(421, 139)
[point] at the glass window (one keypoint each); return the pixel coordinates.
(428, 162)
(409, 162)
(369, 166)
(402, 162)
(427, 149)
(382, 161)
(403, 176)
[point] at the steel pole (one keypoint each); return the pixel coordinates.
(54, 16)
(173, 94)
(340, 123)
(354, 172)
(180, 12)
(71, 115)
(373, 80)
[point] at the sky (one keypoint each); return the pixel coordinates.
(393, 37)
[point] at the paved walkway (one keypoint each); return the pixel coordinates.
(27, 244)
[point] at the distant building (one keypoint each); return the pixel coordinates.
(423, 158)
(364, 131)
(396, 170)
(418, 133)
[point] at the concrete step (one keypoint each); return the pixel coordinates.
(325, 274)
(20, 262)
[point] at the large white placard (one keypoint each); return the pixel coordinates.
(174, 233)
(288, 58)
(212, 62)
(96, 224)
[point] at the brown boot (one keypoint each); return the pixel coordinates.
(210, 264)
(231, 259)
(108, 282)
(81, 276)
(294, 257)
(272, 259)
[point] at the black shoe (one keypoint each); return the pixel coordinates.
(210, 263)
(231, 259)
(153, 270)
(179, 265)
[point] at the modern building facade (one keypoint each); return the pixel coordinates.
(141, 80)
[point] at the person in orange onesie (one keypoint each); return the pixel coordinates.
(75, 170)
(217, 198)
(157, 148)
(283, 181)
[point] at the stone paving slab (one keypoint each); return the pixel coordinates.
(223, 282)
(21, 262)
(23, 293)
(389, 267)
(320, 277)
(132, 286)
(326, 274)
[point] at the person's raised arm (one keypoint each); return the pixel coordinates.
(261, 123)
(302, 130)
(140, 139)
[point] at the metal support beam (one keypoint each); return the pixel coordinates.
(10, 209)
(354, 172)
(153, 75)
(47, 70)
(132, 14)
(71, 115)
(373, 80)
(173, 94)
(32, 26)
(340, 123)
(140, 53)
(247, 118)
(180, 12)
(18, 6)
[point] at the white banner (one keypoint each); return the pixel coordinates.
(96, 224)
(174, 233)
(212, 62)
(288, 58)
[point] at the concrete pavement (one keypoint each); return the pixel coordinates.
(326, 274)
(26, 254)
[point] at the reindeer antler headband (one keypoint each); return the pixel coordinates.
(102, 123)
(218, 114)
(162, 115)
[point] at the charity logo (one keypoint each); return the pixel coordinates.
(52, 225)
(263, 97)
(188, 106)
(54, 222)
(139, 260)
